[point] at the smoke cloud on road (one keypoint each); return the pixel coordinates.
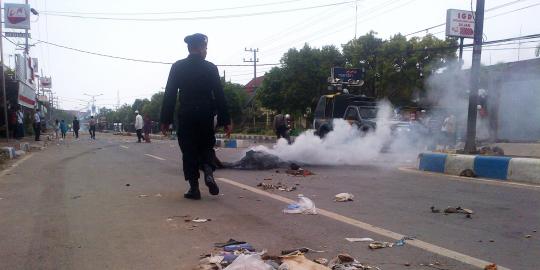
(345, 145)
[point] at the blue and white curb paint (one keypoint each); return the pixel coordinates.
(493, 167)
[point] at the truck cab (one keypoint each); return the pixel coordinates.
(335, 106)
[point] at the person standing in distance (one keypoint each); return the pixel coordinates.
(200, 96)
(92, 127)
(139, 126)
(37, 125)
(76, 127)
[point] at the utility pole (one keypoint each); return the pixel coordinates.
(470, 143)
(253, 60)
(3, 82)
(117, 99)
(355, 18)
(93, 108)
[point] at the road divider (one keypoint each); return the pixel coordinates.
(232, 143)
(491, 167)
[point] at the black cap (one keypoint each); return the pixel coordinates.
(196, 39)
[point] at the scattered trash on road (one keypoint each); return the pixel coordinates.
(322, 261)
(201, 220)
(365, 239)
(467, 173)
(347, 262)
(379, 244)
(343, 197)
(127, 185)
(228, 243)
(300, 262)
(73, 198)
(279, 186)
(398, 243)
(158, 195)
(300, 172)
(301, 250)
(303, 206)
(143, 195)
(235, 247)
(528, 236)
(491, 267)
(454, 210)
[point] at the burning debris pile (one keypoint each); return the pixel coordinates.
(257, 160)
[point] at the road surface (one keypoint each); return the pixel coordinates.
(116, 204)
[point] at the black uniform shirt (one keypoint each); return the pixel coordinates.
(200, 89)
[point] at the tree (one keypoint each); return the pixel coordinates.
(301, 80)
(236, 97)
(153, 107)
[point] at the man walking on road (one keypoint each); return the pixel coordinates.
(138, 126)
(76, 127)
(201, 96)
(37, 125)
(92, 127)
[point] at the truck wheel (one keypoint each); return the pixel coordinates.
(323, 131)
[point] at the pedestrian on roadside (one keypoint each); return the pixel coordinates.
(92, 127)
(147, 128)
(63, 128)
(281, 126)
(139, 126)
(37, 125)
(20, 124)
(201, 95)
(76, 127)
(448, 130)
(12, 124)
(56, 128)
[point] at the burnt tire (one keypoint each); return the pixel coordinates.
(323, 130)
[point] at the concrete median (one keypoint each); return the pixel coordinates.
(492, 167)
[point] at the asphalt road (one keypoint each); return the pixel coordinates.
(116, 204)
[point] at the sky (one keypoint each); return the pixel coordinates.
(154, 31)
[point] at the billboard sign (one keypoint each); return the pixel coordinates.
(460, 23)
(45, 82)
(17, 35)
(27, 95)
(17, 16)
(352, 75)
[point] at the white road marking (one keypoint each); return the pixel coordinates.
(493, 182)
(368, 227)
(17, 163)
(156, 157)
(123, 146)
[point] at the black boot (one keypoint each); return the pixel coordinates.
(193, 192)
(209, 180)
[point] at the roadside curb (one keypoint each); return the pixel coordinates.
(232, 143)
(491, 167)
(256, 138)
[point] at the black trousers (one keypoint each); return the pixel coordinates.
(37, 130)
(76, 133)
(139, 135)
(197, 139)
(92, 131)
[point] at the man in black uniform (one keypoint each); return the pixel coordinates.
(201, 96)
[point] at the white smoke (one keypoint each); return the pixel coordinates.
(345, 145)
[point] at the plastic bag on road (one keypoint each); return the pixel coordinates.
(248, 262)
(343, 197)
(303, 206)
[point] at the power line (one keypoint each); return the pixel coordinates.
(134, 59)
(167, 12)
(203, 17)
